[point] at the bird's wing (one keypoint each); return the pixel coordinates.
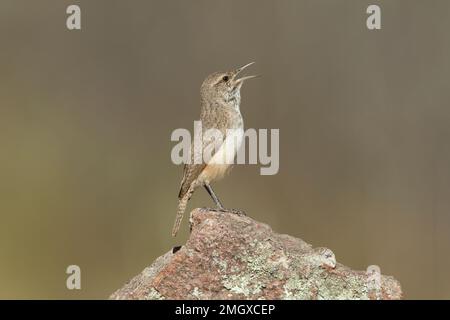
(190, 173)
(192, 170)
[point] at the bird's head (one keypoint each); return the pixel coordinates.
(224, 88)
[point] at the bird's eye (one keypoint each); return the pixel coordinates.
(225, 78)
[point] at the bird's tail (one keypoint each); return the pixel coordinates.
(182, 203)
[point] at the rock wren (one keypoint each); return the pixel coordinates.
(220, 100)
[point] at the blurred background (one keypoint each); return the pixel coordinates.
(86, 116)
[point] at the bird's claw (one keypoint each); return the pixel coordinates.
(237, 211)
(234, 211)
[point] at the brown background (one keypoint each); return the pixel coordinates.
(86, 118)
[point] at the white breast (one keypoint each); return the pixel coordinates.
(220, 162)
(229, 148)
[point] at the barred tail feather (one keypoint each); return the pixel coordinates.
(182, 203)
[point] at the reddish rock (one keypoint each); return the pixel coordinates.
(229, 256)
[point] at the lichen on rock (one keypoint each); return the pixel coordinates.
(230, 256)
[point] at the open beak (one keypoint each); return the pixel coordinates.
(239, 81)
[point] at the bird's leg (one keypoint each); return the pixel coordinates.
(219, 204)
(214, 197)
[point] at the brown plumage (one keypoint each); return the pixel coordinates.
(220, 102)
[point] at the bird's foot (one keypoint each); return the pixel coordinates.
(238, 212)
(235, 211)
(223, 210)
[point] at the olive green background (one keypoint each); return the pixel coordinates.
(86, 117)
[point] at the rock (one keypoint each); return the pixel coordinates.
(230, 256)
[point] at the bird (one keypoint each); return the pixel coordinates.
(220, 99)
